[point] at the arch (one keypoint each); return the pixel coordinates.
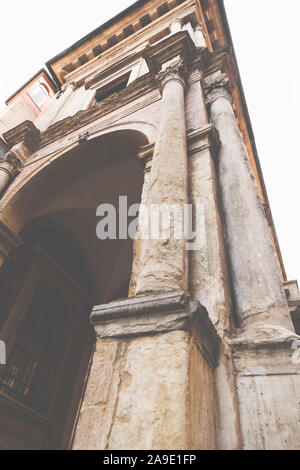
(14, 216)
(66, 192)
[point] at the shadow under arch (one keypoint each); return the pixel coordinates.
(63, 196)
(63, 245)
(68, 191)
(46, 302)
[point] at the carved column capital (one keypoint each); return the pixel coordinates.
(13, 160)
(218, 87)
(11, 163)
(174, 70)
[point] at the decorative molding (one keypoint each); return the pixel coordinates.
(156, 314)
(169, 302)
(25, 132)
(206, 137)
(137, 40)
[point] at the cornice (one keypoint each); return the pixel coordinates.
(132, 42)
(25, 132)
(179, 44)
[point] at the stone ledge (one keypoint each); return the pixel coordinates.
(169, 301)
(156, 314)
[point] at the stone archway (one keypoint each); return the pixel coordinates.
(65, 195)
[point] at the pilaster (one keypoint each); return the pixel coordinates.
(151, 382)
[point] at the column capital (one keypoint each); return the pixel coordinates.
(217, 87)
(13, 160)
(173, 70)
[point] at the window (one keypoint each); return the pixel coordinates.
(38, 94)
(113, 87)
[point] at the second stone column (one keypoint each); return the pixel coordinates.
(164, 261)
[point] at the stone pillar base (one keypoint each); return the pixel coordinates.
(151, 384)
(267, 368)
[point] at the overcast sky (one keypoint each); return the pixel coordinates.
(266, 38)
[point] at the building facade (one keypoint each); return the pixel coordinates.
(156, 342)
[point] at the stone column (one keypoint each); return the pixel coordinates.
(257, 284)
(164, 261)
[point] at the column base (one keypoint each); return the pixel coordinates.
(267, 369)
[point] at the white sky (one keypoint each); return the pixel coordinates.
(266, 36)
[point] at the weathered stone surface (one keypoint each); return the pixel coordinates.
(269, 409)
(98, 407)
(151, 392)
(136, 316)
(202, 404)
(229, 436)
(156, 314)
(268, 382)
(156, 374)
(25, 132)
(208, 270)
